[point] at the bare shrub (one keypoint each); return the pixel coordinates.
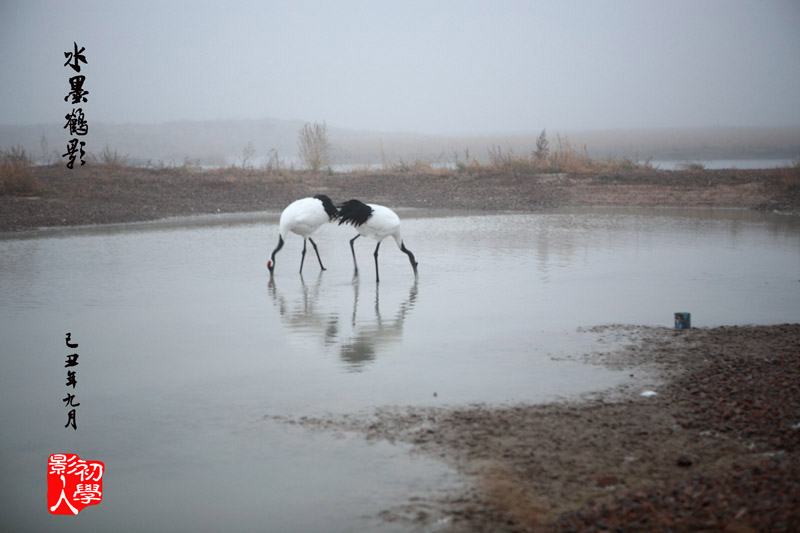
(469, 164)
(45, 155)
(273, 163)
(313, 146)
(542, 147)
(247, 154)
(110, 157)
(384, 161)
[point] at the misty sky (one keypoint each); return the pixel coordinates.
(465, 67)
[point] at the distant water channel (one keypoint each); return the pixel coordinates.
(663, 164)
(741, 164)
(187, 349)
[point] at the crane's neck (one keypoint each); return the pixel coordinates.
(411, 258)
(271, 262)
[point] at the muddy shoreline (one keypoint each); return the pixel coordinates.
(715, 448)
(99, 194)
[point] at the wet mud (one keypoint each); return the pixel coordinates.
(715, 448)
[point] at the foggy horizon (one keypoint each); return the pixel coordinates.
(442, 68)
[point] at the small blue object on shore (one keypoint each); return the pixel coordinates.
(683, 321)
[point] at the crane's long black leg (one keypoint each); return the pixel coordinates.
(271, 262)
(354, 253)
(377, 277)
(303, 257)
(317, 252)
(410, 258)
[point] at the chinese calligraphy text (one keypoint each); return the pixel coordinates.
(69, 401)
(76, 120)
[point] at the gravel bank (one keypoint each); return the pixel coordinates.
(98, 194)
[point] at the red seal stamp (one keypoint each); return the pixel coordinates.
(73, 483)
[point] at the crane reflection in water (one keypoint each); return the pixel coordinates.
(315, 321)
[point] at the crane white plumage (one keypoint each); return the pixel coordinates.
(303, 217)
(376, 221)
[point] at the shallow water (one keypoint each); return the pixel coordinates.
(741, 164)
(187, 348)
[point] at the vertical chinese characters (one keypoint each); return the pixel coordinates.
(72, 483)
(76, 120)
(69, 401)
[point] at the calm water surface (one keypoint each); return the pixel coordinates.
(186, 346)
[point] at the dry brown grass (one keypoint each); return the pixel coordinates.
(418, 166)
(790, 177)
(16, 173)
(565, 158)
(109, 157)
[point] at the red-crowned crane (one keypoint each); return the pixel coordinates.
(303, 217)
(374, 221)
